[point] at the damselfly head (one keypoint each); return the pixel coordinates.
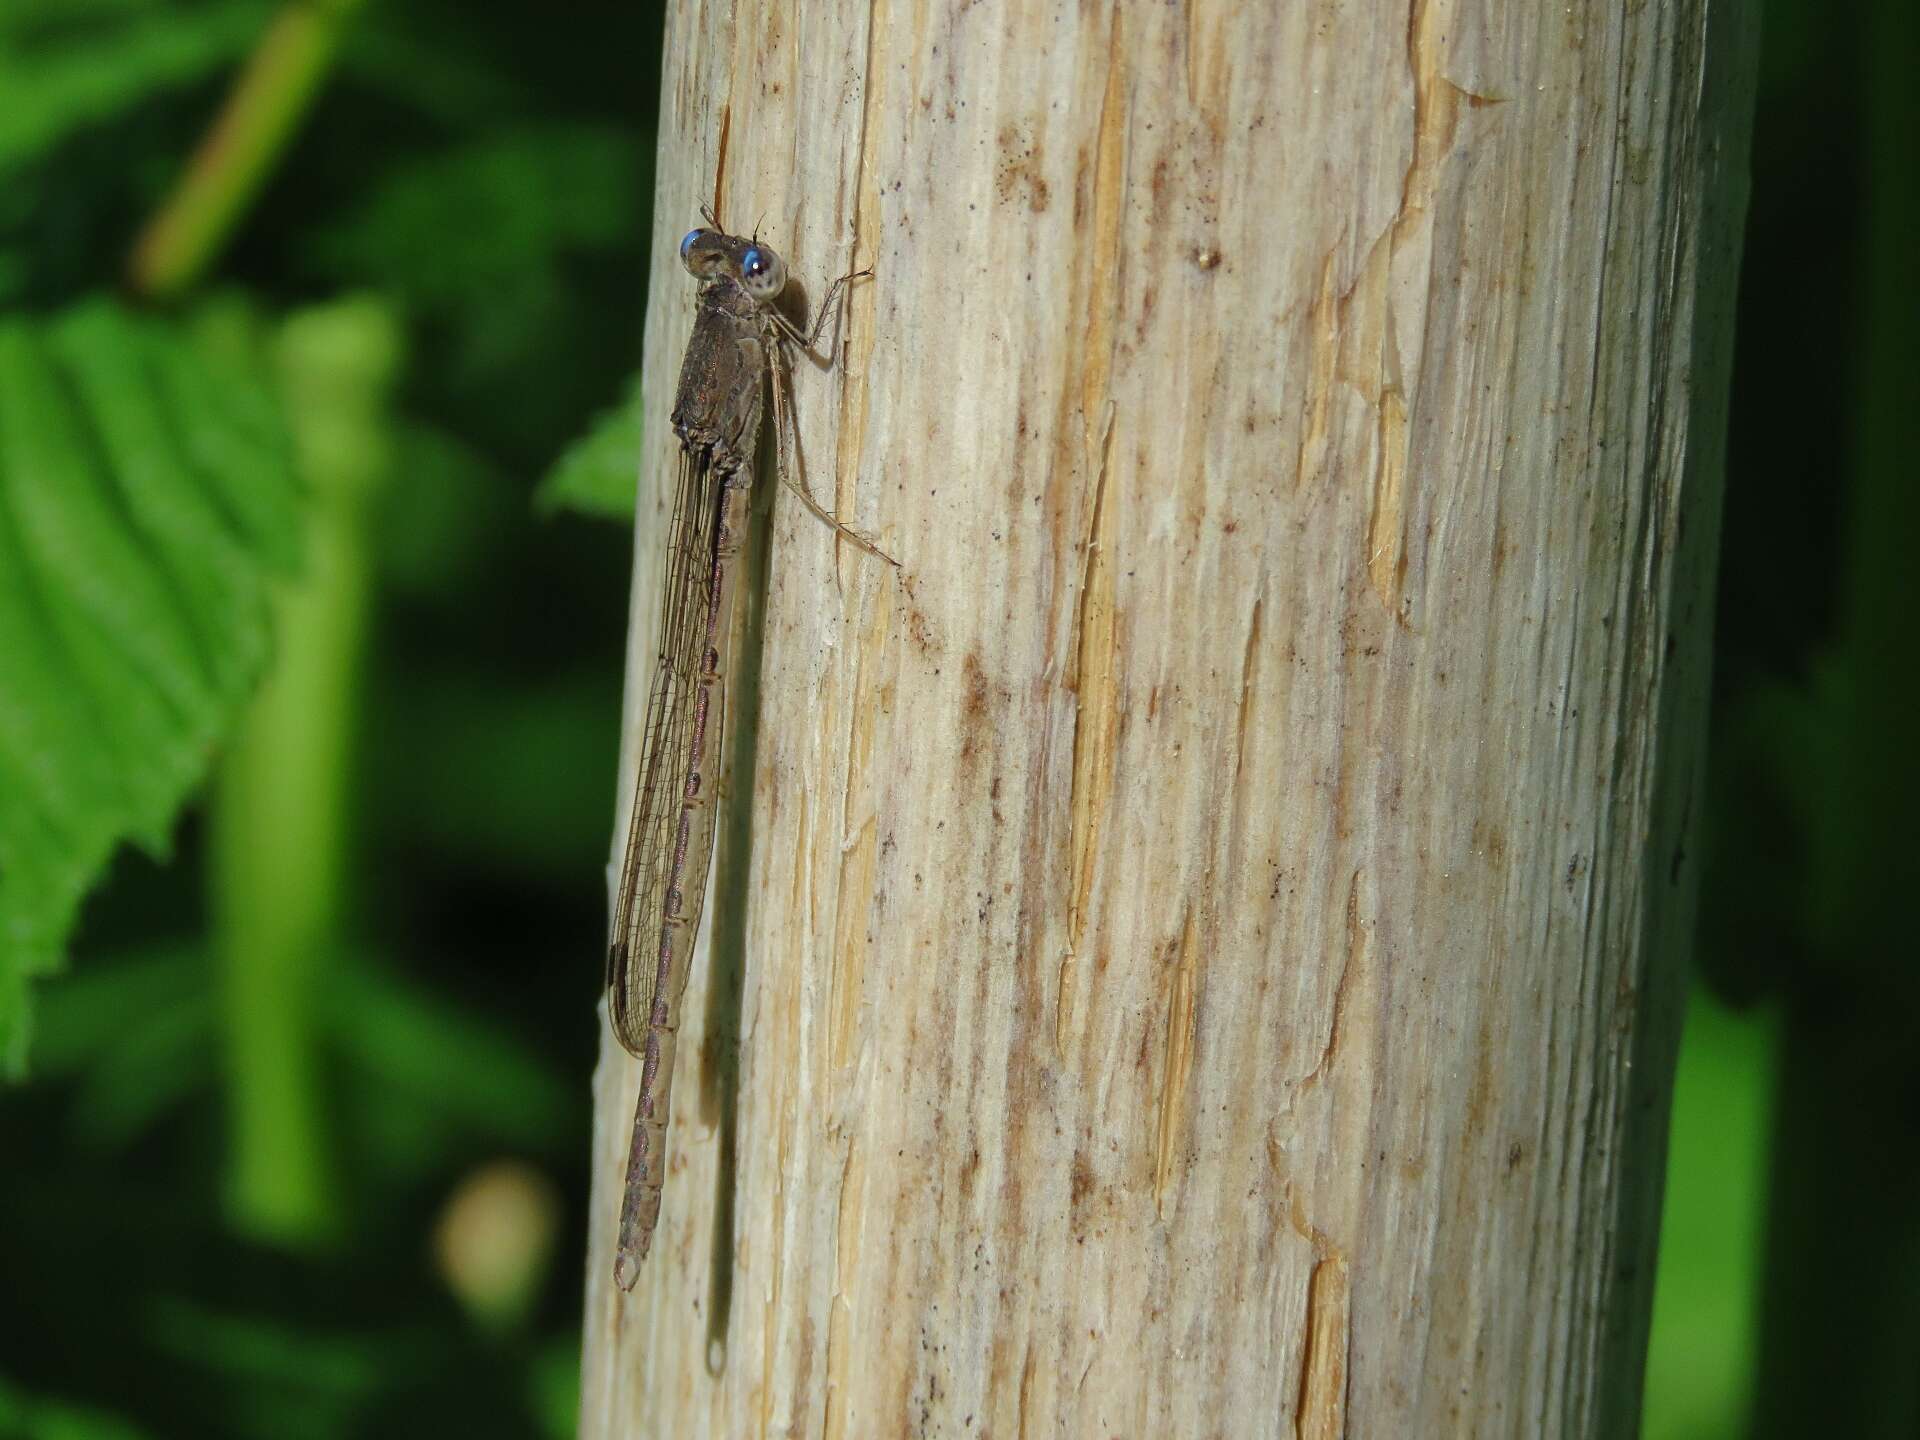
(711, 254)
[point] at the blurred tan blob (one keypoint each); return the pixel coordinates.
(494, 1241)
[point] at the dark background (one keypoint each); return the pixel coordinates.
(371, 1222)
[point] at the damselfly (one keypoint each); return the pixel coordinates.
(735, 352)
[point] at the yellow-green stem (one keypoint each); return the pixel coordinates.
(238, 152)
(282, 806)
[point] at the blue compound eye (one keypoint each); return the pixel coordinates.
(700, 251)
(762, 272)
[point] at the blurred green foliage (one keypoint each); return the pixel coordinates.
(67, 66)
(595, 475)
(1789, 1299)
(1700, 1367)
(277, 608)
(135, 554)
(330, 1018)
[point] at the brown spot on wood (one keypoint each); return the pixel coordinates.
(1148, 299)
(1490, 841)
(975, 726)
(1020, 171)
(1481, 1097)
(920, 629)
(1080, 1182)
(975, 700)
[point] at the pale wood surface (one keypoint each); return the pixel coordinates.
(1206, 957)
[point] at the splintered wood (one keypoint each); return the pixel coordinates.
(1196, 952)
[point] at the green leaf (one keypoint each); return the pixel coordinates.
(88, 1017)
(159, 1054)
(61, 72)
(133, 1038)
(599, 471)
(146, 499)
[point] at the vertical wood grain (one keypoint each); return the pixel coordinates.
(1208, 939)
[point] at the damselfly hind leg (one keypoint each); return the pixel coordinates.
(786, 441)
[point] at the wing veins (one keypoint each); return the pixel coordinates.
(667, 743)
